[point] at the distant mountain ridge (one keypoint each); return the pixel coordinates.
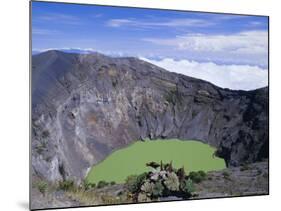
(66, 50)
(84, 106)
(145, 57)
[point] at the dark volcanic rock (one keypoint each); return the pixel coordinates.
(86, 106)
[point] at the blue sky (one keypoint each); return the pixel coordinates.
(222, 39)
(150, 33)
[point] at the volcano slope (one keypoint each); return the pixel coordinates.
(84, 107)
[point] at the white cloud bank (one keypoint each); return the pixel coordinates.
(249, 47)
(236, 77)
(250, 42)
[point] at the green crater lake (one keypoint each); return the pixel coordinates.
(193, 155)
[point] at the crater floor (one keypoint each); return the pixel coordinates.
(193, 155)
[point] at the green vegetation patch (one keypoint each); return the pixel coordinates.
(193, 155)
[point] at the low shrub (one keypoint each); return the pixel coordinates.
(172, 182)
(187, 187)
(197, 176)
(42, 187)
(66, 185)
(88, 186)
(133, 182)
(147, 187)
(102, 184)
(157, 190)
(162, 181)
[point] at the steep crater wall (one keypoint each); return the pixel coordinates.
(86, 106)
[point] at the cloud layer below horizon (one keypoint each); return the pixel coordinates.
(247, 47)
(236, 77)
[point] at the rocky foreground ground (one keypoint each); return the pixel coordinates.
(238, 181)
(246, 180)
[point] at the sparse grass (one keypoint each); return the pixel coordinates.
(108, 199)
(84, 197)
(66, 185)
(93, 197)
(42, 186)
